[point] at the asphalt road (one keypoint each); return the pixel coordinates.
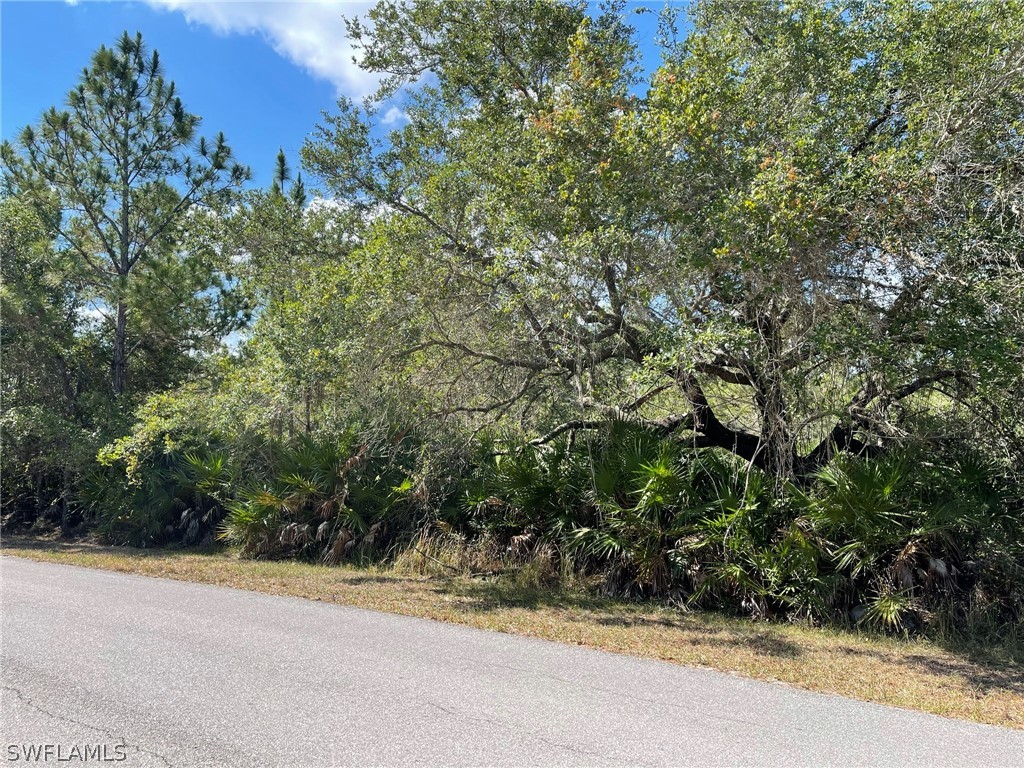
(187, 674)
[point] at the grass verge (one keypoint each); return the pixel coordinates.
(983, 685)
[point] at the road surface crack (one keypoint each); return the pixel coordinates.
(64, 718)
(518, 729)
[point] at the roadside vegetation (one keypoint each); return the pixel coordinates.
(980, 682)
(739, 331)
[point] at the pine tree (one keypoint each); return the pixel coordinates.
(298, 192)
(124, 165)
(282, 173)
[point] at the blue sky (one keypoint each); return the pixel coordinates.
(261, 72)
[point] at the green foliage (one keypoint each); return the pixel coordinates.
(886, 540)
(169, 498)
(56, 409)
(327, 499)
(750, 328)
(43, 457)
(789, 216)
(115, 278)
(904, 529)
(118, 173)
(167, 482)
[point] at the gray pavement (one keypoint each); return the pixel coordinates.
(167, 673)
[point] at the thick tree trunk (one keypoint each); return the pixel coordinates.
(119, 363)
(776, 439)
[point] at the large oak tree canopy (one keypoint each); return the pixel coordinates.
(741, 328)
(805, 221)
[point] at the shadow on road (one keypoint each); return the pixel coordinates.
(983, 669)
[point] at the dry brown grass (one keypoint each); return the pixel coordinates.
(913, 674)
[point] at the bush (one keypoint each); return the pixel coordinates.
(43, 456)
(177, 477)
(165, 482)
(909, 534)
(901, 540)
(918, 536)
(167, 497)
(327, 499)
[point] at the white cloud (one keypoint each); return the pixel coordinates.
(311, 34)
(395, 115)
(319, 203)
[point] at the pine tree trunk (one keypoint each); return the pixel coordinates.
(307, 394)
(119, 364)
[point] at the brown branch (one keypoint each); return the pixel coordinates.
(842, 437)
(725, 374)
(532, 365)
(566, 427)
(712, 431)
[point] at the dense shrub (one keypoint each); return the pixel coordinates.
(326, 499)
(917, 535)
(906, 532)
(165, 497)
(164, 482)
(325, 496)
(42, 458)
(895, 540)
